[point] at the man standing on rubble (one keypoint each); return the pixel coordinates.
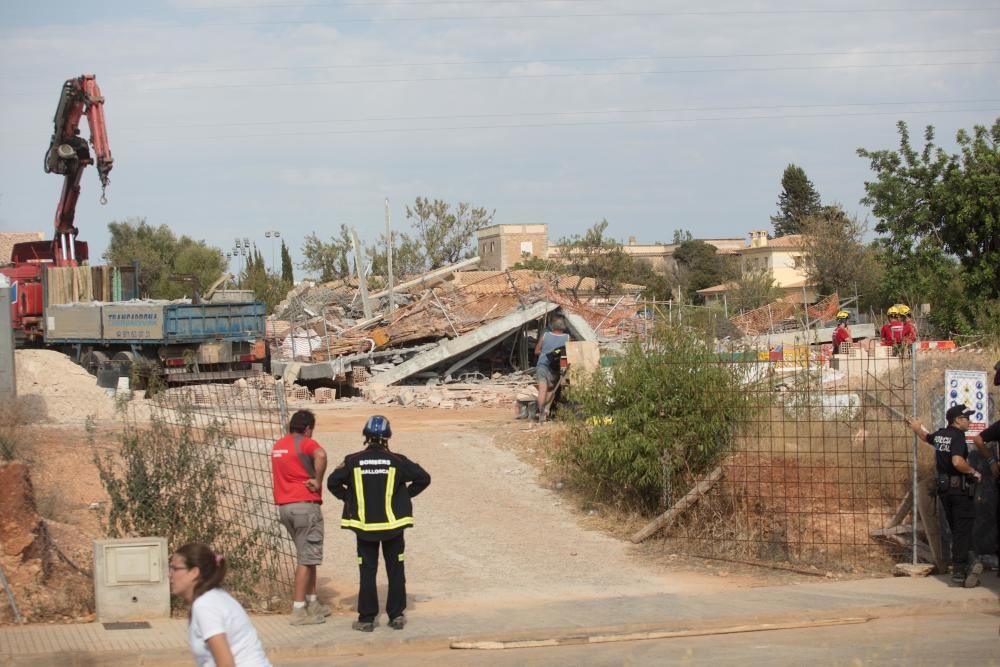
(547, 370)
(298, 464)
(956, 486)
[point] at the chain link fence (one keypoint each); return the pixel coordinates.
(195, 465)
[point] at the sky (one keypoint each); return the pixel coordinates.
(232, 118)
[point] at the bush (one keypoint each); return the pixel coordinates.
(667, 412)
(168, 480)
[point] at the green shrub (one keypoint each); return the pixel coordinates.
(665, 413)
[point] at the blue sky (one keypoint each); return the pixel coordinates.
(227, 119)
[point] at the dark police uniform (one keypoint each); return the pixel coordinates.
(376, 486)
(957, 492)
(992, 434)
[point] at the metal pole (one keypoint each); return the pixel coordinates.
(388, 253)
(8, 377)
(913, 400)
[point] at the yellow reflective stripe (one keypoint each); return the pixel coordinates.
(402, 557)
(361, 525)
(360, 560)
(359, 492)
(390, 485)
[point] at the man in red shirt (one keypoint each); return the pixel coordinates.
(841, 334)
(298, 465)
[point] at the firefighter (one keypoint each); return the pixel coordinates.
(909, 328)
(886, 332)
(376, 486)
(896, 329)
(841, 334)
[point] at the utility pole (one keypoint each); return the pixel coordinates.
(272, 234)
(388, 252)
(362, 280)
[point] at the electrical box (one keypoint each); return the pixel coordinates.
(130, 579)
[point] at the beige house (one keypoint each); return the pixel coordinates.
(502, 246)
(783, 258)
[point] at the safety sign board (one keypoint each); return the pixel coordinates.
(968, 388)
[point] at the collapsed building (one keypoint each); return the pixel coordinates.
(455, 324)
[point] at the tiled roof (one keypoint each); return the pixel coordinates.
(780, 243)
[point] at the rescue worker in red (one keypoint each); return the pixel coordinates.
(896, 329)
(376, 486)
(841, 334)
(886, 332)
(909, 328)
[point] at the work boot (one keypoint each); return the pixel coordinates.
(972, 578)
(301, 616)
(363, 626)
(397, 623)
(317, 608)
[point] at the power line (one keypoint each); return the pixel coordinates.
(569, 124)
(563, 75)
(531, 61)
(577, 112)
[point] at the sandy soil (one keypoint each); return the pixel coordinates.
(487, 531)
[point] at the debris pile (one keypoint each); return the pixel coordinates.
(452, 325)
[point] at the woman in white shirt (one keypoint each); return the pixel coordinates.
(219, 630)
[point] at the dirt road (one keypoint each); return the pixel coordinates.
(486, 532)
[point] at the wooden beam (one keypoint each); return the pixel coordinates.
(905, 507)
(667, 519)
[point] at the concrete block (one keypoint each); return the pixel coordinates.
(130, 579)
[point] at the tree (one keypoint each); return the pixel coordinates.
(682, 235)
(699, 266)
(328, 259)
(798, 200)
(594, 256)
(444, 237)
(933, 207)
(163, 258)
(267, 286)
(753, 290)
(836, 257)
(286, 265)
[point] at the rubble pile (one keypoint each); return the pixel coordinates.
(454, 324)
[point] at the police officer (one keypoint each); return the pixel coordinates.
(956, 484)
(376, 486)
(982, 440)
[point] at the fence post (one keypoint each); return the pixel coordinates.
(913, 401)
(279, 396)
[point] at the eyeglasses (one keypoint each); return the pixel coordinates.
(175, 568)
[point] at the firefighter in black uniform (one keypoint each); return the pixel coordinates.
(956, 485)
(376, 486)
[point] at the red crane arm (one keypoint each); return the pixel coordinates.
(69, 154)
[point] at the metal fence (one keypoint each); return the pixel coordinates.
(232, 428)
(827, 475)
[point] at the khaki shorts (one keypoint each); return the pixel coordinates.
(304, 523)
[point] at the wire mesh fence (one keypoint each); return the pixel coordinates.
(204, 453)
(818, 474)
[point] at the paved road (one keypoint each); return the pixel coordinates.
(894, 641)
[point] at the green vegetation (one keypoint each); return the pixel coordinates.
(666, 412)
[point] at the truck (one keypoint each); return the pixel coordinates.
(184, 341)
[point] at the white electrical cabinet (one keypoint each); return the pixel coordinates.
(130, 579)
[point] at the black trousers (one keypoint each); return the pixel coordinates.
(960, 510)
(393, 553)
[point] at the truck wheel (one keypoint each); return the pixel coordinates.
(93, 360)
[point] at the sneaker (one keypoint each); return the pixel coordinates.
(317, 608)
(363, 626)
(397, 623)
(972, 578)
(301, 616)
